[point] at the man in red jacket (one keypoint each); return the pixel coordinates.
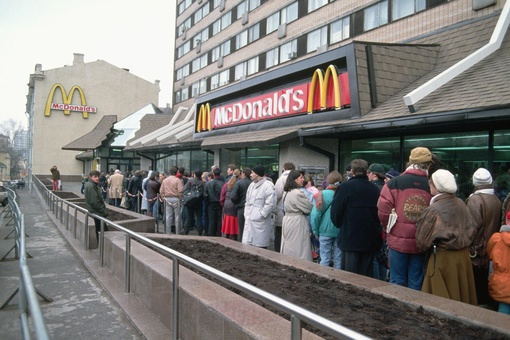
(409, 194)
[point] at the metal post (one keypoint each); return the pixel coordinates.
(178, 217)
(295, 328)
(75, 225)
(61, 211)
(175, 299)
(67, 217)
(86, 231)
(127, 265)
(138, 202)
(101, 245)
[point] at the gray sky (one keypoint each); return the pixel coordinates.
(137, 35)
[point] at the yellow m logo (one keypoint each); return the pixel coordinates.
(204, 118)
(324, 90)
(66, 99)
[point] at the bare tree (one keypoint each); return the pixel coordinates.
(10, 128)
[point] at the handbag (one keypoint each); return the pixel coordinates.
(123, 202)
(192, 196)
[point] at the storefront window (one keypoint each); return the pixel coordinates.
(501, 164)
(190, 160)
(249, 157)
(385, 151)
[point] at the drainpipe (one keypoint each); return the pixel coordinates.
(444, 77)
(328, 154)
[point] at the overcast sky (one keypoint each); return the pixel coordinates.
(137, 35)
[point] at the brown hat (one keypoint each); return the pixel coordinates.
(420, 155)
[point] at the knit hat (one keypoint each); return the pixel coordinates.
(259, 170)
(444, 181)
(376, 168)
(482, 177)
(392, 173)
(420, 155)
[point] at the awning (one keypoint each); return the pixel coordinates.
(94, 138)
(253, 138)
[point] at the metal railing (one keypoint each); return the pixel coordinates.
(298, 314)
(28, 301)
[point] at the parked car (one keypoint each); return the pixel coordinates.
(3, 195)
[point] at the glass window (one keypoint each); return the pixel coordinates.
(215, 81)
(185, 93)
(183, 5)
(200, 160)
(202, 86)
(500, 175)
(314, 4)
(195, 91)
(182, 72)
(215, 54)
(216, 27)
(242, 39)
(272, 22)
(253, 33)
(339, 30)
(254, 4)
(184, 27)
(242, 8)
(226, 20)
(253, 65)
(316, 39)
(240, 71)
(216, 3)
(178, 96)
(224, 77)
(249, 157)
(195, 65)
(202, 12)
(272, 58)
(290, 13)
(403, 8)
(376, 15)
(288, 51)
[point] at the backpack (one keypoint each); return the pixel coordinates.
(192, 196)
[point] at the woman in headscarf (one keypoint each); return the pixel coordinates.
(446, 229)
(295, 230)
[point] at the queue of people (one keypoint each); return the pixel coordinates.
(406, 228)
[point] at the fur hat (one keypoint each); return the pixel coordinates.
(420, 155)
(444, 181)
(392, 173)
(482, 177)
(259, 170)
(376, 168)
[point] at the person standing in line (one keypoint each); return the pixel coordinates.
(238, 197)
(498, 249)
(323, 227)
(84, 180)
(354, 211)
(409, 194)
(171, 191)
(230, 171)
(103, 184)
(260, 203)
(153, 186)
(194, 212)
(278, 212)
(295, 229)
(212, 195)
(145, 182)
(115, 184)
(485, 207)
(55, 178)
(377, 177)
(134, 188)
(446, 229)
(230, 224)
(94, 200)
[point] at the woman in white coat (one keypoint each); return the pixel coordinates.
(295, 231)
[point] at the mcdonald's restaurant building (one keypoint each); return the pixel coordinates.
(359, 101)
(68, 102)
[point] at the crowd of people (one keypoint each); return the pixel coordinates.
(409, 229)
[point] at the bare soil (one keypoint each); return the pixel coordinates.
(365, 312)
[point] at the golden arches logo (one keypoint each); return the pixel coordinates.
(66, 105)
(324, 91)
(204, 118)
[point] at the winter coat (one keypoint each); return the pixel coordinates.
(320, 219)
(145, 203)
(152, 189)
(260, 203)
(171, 187)
(229, 208)
(485, 207)
(94, 199)
(278, 211)
(354, 211)
(115, 182)
(212, 191)
(448, 224)
(295, 230)
(498, 249)
(409, 194)
(135, 185)
(239, 192)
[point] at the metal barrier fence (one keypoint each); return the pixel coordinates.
(28, 301)
(297, 313)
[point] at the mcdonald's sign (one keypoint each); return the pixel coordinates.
(66, 105)
(326, 91)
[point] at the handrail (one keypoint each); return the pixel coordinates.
(297, 313)
(28, 302)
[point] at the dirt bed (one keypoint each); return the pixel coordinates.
(367, 313)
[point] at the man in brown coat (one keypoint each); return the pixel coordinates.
(115, 185)
(485, 207)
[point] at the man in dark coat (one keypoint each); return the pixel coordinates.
(134, 189)
(354, 211)
(94, 200)
(238, 197)
(212, 196)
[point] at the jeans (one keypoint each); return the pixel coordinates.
(194, 215)
(215, 211)
(380, 271)
(407, 269)
(172, 213)
(329, 245)
(241, 221)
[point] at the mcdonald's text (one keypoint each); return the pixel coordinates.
(67, 107)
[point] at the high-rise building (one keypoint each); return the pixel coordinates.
(20, 140)
(322, 82)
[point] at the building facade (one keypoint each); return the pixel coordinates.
(68, 102)
(320, 83)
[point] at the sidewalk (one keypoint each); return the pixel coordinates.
(81, 307)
